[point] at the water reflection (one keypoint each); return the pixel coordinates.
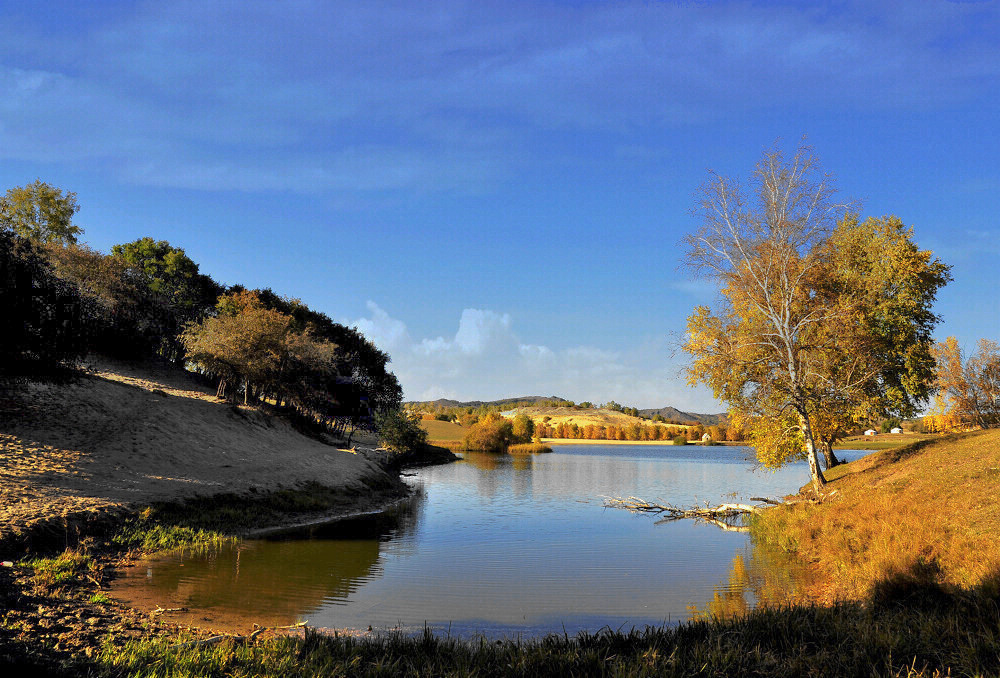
(274, 581)
(759, 574)
(502, 545)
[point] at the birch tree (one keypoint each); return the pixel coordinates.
(822, 321)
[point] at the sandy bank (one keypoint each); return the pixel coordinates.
(125, 436)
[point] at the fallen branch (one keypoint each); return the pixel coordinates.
(236, 638)
(671, 512)
(160, 610)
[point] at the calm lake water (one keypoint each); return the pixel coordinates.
(502, 545)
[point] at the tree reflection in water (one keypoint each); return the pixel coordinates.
(276, 580)
(760, 576)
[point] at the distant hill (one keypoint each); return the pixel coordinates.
(446, 402)
(668, 413)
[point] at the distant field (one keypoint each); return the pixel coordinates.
(443, 431)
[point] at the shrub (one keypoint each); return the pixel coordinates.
(523, 428)
(493, 433)
(680, 440)
(399, 432)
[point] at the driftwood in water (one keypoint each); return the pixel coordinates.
(713, 514)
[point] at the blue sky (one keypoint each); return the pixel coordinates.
(495, 192)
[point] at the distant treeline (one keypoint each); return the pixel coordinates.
(146, 299)
(635, 432)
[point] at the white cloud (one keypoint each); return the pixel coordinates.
(385, 332)
(486, 360)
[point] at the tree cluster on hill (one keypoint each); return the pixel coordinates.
(40, 313)
(147, 299)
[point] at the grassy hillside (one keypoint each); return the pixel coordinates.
(584, 416)
(668, 413)
(929, 507)
(673, 414)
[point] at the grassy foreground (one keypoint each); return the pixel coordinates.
(953, 634)
(907, 539)
(930, 505)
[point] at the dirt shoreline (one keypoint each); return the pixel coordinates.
(79, 459)
(125, 436)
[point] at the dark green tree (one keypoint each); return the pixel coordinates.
(40, 319)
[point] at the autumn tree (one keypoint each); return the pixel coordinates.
(811, 317)
(969, 388)
(492, 433)
(40, 212)
(242, 345)
(358, 358)
(877, 363)
(523, 428)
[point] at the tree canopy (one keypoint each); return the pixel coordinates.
(823, 321)
(969, 387)
(40, 319)
(147, 299)
(40, 212)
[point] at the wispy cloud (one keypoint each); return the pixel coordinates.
(390, 96)
(485, 359)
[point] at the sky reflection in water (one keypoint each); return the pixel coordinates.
(503, 546)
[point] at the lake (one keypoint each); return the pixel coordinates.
(502, 546)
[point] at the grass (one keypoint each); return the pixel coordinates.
(884, 441)
(238, 514)
(931, 502)
(955, 633)
(50, 575)
(441, 432)
(147, 535)
(529, 448)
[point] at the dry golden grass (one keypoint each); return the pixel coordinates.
(583, 417)
(884, 441)
(933, 501)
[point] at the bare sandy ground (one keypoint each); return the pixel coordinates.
(126, 436)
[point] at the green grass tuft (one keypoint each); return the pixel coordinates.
(529, 448)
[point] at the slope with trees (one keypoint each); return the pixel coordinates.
(147, 299)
